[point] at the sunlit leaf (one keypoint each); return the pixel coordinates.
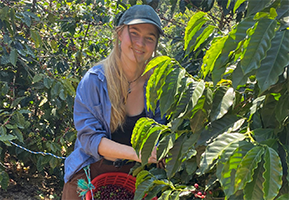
(259, 44)
(212, 54)
(223, 100)
(215, 149)
(254, 189)
(249, 163)
(195, 23)
(275, 62)
(272, 174)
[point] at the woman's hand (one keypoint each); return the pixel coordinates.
(152, 158)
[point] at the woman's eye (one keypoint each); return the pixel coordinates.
(150, 39)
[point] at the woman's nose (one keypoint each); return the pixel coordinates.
(140, 41)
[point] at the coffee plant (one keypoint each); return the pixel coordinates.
(222, 82)
(228, 120)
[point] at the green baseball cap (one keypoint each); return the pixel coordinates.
(141, 14)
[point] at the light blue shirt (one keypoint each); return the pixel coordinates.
(92, 108)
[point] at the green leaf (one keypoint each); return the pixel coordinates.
(283, 10)
(226, 172)
(13, 57)
(283, 197)
(212, 54)
(255, 6)
(8, 137)
(155, 62)
(4, 180)
(204, 35)
(143, 187)
(141, 128)
(149, 143)
(17, 101)
(237, 34)
(165, 195)
(174, 162)
(275, 62)
(238, 77)
(19, 134)
(170, 89)
(237, 4)
(37, 78)
(249, 163)
(257, 104)
(282, 108)
(254, 189)
(36, 38)
(53, 162)
(258, 44)
(195, 23)
(216, 128)
(217, 147)
(223, 100)
(273, 173)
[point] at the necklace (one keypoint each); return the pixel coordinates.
(130, 82)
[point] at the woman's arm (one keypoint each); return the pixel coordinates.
(112, 150)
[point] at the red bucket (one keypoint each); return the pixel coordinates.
(114, 178)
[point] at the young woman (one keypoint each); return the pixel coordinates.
(111, 98)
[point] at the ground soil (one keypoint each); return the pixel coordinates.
(36, 187)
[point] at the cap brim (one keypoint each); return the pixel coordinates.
(143, 21)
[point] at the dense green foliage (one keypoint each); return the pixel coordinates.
(228, 123)
(223, 84)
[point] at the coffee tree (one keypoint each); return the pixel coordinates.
(228, 122)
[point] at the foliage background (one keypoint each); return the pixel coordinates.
(223, 84)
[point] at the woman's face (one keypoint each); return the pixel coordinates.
(138, 42)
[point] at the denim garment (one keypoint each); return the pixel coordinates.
(92, 108)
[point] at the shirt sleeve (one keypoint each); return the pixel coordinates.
(88, 115)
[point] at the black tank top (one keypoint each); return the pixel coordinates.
(124, 136)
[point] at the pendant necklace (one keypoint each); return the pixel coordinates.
(130, 82)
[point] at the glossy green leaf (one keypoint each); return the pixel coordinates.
(282, 108)
(215, 149)
(13, 57)
(155, 62)
(149, 143)
(216, 128)
(36, 38)
(249, 163)
(237, 4)
(223, 100)
(37, 78)
(4, 180)
(275, 62)
(142, 188)
(212, 54)
(257, 104)
(283, 197)
(18, 134)
(255, 6)
(273, 173)
(170, 88)
(283, 9)
(237, 34)
(7, 137)
(165, 195)
(174, 162)
(238, 77)
(165, 144)
(226, 172)
(141, 176)
(254, 189)
(204, 35)
(258, 45)
(195, 23)
(17, 101)
(141, 127)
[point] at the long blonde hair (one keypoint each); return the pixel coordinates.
(117, 83)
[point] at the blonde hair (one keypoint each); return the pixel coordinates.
(117, 83)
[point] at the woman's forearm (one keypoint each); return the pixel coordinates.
(113, 150)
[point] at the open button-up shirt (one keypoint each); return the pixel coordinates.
(92, 109)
